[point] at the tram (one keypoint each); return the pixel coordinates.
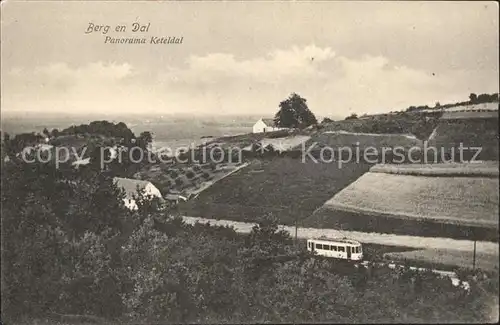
(339, 248)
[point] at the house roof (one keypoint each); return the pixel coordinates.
(269, 121)
(130, 185)
(465, 115)
(469, 201)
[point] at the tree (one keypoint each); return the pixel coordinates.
(353, 116)
(327, 120)
(99, 156)
(294, 113)
(55, 251)
(8, 145)
(55, 133)
(145, 139)
(46, 132)
(473, 98)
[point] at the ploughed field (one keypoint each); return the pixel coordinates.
(289, 188)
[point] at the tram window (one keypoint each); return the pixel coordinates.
(334, 248)
(319, 246)
(358, 250)
(341, 249)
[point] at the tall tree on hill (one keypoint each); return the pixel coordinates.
(294, 113)
(353, 116)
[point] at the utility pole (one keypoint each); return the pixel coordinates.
(474, 257)
(296, 226)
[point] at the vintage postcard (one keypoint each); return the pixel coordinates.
(249, 162)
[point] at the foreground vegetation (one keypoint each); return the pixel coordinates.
(71, 248)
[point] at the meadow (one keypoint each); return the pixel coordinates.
(355, 221)
(448, 257)
(286, 187)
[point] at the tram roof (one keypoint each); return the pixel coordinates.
(337, 240)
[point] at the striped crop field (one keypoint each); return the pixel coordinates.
(471, 201)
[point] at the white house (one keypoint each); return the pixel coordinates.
(130, 187)
(265, 125)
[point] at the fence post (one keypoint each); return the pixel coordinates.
(474, 257)
(296, 226)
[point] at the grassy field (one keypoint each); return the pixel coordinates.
(326, 217)
(286, 143)
(447, 257)
(480, 133)
(421, 125)
(481, 168)
(244, 140)
(338, 139)
(287, 187)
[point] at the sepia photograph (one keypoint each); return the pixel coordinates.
(249, 162)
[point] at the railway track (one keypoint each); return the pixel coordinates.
(246, 228)
(455, 280)
(452, 275)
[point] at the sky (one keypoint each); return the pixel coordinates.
(245, 57)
